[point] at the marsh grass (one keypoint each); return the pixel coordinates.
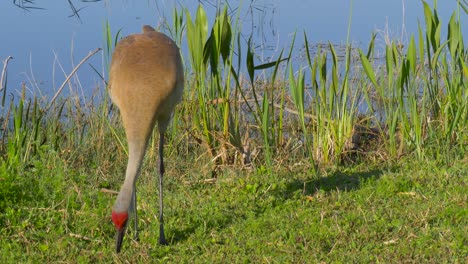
(341, 159)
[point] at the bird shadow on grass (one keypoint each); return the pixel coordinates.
(294, 186)
(336, 181)
(180, 235)
(212, 221)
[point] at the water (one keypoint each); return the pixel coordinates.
(47, 44)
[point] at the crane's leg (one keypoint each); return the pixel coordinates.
(162, 238)
(135, 213)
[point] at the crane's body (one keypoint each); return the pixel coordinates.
(146, 82)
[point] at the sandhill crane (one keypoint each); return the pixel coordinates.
(146, 82)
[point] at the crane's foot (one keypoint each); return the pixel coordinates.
(162, 240)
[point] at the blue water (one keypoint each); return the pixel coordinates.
(42, 42)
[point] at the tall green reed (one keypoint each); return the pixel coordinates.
(416, 97)
(332, 104)
(216, 60)
(422, 93)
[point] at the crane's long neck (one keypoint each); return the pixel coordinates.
(135, 160)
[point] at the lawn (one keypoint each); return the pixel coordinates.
(337, 158)
(406, 212)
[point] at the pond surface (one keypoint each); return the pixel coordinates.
(46, 44)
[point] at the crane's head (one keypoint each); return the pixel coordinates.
(120, 222)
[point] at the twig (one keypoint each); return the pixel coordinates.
(294, 112)
(289, 110)
(5, 64)
(104, 190)
(82, 237)
(74, 10)
(69, 76)
(22, 4)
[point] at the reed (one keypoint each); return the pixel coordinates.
(342, 106)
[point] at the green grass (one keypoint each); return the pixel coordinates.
(261, 166)
(411, 212)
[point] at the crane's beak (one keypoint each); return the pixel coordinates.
(119, 238)
(120, 222)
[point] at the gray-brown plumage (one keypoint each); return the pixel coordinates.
(146, 82)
